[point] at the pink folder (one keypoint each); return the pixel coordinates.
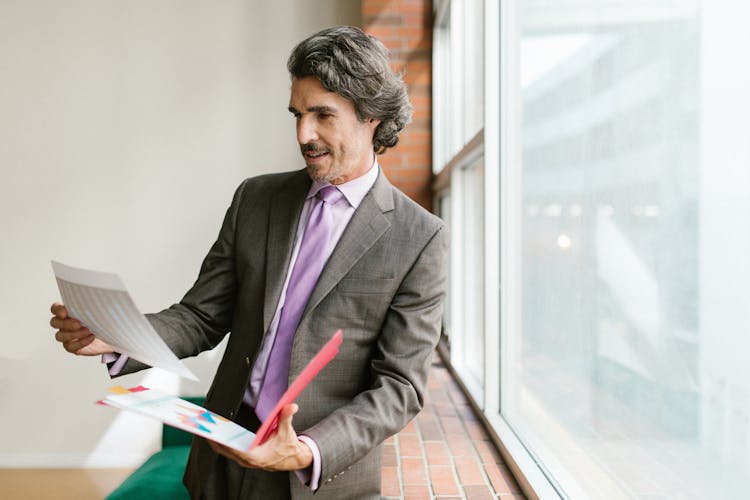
(324, 356)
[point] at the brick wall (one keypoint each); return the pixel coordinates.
(405, 27)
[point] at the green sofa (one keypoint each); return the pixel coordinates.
(161, 475)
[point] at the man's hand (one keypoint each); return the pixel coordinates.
(73, 336)
(282, 452)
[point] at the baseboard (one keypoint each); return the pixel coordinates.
(71, 460)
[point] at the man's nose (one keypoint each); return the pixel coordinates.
(306, 131)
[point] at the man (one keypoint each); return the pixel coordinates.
(300, 255)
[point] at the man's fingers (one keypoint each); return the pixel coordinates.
(283, 451)
(59, 310)
(75, 345)
(69, 336)
(286, 415)
(75, 337)
(69, 324)
(230, 453)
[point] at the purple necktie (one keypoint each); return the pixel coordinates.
(310, 261)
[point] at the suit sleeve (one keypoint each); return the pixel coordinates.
(399, 367)
(203, 317)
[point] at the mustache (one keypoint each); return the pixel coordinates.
(311, 147)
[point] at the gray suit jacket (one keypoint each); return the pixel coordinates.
(383, 286)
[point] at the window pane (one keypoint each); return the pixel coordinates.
(472, 68)
(628, 377)
(467, 340)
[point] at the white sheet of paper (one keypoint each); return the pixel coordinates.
(102, 304)
(181, 414)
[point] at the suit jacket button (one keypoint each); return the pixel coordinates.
(231, 413)
(247, 360)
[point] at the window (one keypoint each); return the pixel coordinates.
(624, 194)
(458, 82)
(458, 118)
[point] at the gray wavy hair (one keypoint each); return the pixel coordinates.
(355, 65)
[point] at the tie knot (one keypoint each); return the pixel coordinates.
(330, 195)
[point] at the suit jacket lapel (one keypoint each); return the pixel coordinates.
(286, 206)
(366, 226)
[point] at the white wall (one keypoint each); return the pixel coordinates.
(124, 129)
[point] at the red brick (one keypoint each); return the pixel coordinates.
(445, 409)
(442, 480)
(423, 198)
(416, 137)
(406, 157)
(488, 453)
(469, 472)
(424, 43)
(456, 394)
(404, 54)
(382, 32)
(411, 428)
(405, 171)
(499, 481)
(390, 457)
(413, 7)
(417, 492)
(417, 77)
(434, 384)
(460, 447)
(422, 113)
(406, 146)
(419, 91)
(413, 471)
(477, 492)
(409, 445)
(476, 431)
(408, 180)
(437, 453)
(420, 96)
(466, 412)
(453, 426)
(391, 42)
(414, 36)
(427, 414)
(423, 162)
(373, 7)
(512, 483)
(390, 483)
(410, 188)
(430, 431)
(439, 395)
(419, 65)
(386, 18)
(423, 19)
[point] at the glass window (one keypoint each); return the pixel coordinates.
(472, 68)
(458, 58)
(628, 375)
(467, 342)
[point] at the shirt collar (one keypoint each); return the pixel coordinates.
(355, 190)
